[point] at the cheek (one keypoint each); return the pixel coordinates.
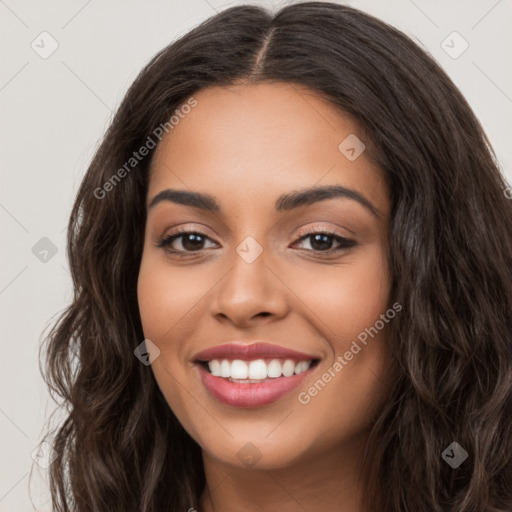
(347, 298)
(166, 296)
(164, 299)
(346, 303)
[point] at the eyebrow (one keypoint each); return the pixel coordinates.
(285, 202)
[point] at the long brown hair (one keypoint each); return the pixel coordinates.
(121, 448)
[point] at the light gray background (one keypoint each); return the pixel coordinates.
(55, 111)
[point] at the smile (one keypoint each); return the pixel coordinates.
(252, 375)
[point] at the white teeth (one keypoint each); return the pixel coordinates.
(215, 367)
(239, 369)
(225, 368)
(304, 366)
(256, 370)
(274, 368)
(288, 368)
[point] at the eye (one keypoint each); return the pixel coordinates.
(185, 241)
(321, 241)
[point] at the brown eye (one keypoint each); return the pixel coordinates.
(184, 241)
(323, 242)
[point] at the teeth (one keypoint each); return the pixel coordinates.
(239, 369)
(274, 368)
(288, 368)
(215, 367)
(225, 369)
(257, 370)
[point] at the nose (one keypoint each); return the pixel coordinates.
(249, 293)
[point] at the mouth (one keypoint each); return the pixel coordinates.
(252, 375)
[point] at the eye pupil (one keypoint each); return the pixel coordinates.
(195, 241)
(321, 242)
(192, 241)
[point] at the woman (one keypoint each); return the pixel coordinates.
(297, 225)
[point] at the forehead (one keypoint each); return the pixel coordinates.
(261, 138)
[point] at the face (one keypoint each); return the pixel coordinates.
(268, 302)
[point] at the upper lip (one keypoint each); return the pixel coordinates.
(258, 350)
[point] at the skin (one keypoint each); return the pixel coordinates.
(246, 145)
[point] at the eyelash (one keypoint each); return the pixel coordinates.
(345, 243)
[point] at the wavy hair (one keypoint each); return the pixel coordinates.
(120, 447)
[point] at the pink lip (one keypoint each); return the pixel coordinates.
(258, 350)
(250, 395)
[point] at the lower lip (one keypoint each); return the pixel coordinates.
(250, 395)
